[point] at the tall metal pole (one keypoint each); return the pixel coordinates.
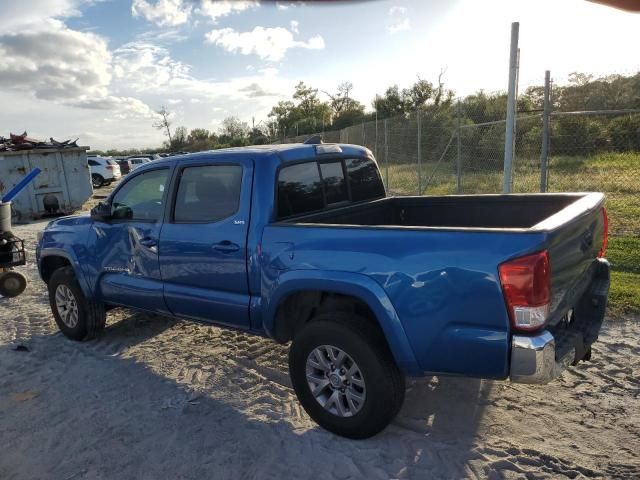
(459, 149)
(386, 152)
(546, 113)
(509, 137)
(375, 148)
(418, 118)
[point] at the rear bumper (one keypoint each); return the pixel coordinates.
(533, 359)
(543, 357)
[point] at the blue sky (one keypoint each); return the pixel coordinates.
(98, 69)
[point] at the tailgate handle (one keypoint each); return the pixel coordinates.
(587, 241)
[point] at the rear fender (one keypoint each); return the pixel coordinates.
(345, 283)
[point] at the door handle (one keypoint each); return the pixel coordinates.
(226, 246)
(148, 242)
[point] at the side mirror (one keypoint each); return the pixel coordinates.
(101, 212)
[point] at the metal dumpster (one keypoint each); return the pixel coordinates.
(62, 187)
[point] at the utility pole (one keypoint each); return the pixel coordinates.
(546, 114)
(419, 121)
(458, 150)
(509, 137)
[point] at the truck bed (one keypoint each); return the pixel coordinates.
(455, 211)
(437, 259)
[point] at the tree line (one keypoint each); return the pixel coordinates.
(311, 111)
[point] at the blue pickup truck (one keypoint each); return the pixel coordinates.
(301, 243)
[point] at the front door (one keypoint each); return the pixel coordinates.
(203, 245)
(126, 246)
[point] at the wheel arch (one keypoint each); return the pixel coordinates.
(300, 294)
(52, 260)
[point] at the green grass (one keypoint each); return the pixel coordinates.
(624, 296)
(624, 255)
(615, 174)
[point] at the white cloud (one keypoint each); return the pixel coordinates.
(55, 62)
(294, 25)
(287, 5)
(149, 69)
(16, 18)
(50, 65)
(120, 107)
(164, 13)
(268, 43)
(163, 36)
(215, 9)
(143, 66)
(255, 90)
(398, 20)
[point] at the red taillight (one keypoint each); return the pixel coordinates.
(526, 283)
(605, 235)
(110, 167)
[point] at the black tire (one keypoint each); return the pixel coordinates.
(12, 284)
(97, 180)
(91, 314)
(362, 340)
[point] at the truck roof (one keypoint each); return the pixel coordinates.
(286, 152)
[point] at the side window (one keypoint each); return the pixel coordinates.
(299, 189)
(364, 178)
(140, 198)
(208, 194)
(93, 163)
(335, 187)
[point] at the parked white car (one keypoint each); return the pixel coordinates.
(103, 171)
(138, 161)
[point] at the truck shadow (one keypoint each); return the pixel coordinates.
(155, 397)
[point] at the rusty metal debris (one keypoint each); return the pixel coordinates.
(24, 142)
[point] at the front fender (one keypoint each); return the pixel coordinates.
(75, 264)
(346, 283)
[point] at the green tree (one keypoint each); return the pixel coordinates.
(179, 140)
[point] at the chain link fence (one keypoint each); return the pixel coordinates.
(599, 151)
(451, 149)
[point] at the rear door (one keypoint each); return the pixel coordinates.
(203, 243)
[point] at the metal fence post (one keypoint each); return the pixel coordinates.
(459, 149)
(386, 152)
(509, 139)
(418, 118)
(544, 152)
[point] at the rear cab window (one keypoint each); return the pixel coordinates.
(318, 185)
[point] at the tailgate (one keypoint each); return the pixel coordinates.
(575, 238)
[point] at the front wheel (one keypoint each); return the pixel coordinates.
(78, 317)
(344, 375)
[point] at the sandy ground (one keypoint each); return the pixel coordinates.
(156, 397)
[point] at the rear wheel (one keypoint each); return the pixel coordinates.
(78, 317)
(97, 180)
(344, 375)
(12, 284)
